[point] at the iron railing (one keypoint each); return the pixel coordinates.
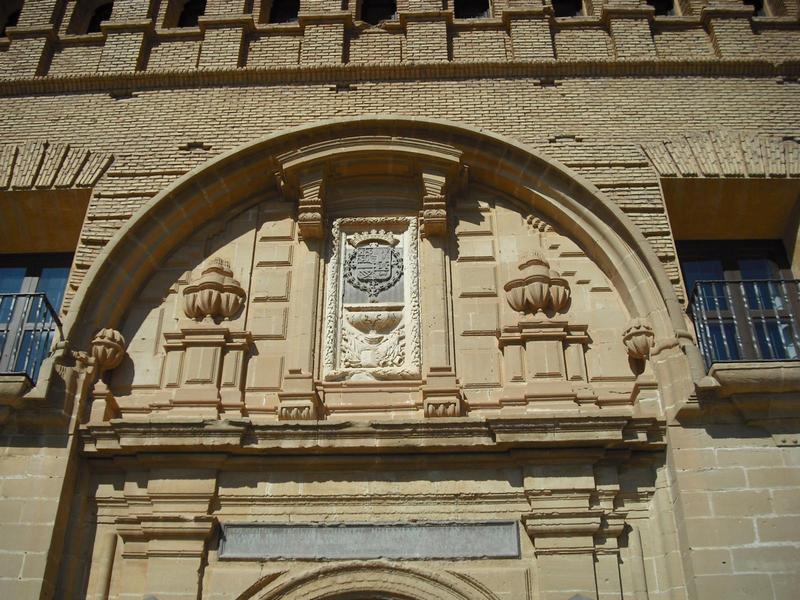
(28, 324)
(747, 320)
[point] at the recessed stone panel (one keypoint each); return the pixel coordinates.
(364, 541)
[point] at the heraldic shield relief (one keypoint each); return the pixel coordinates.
(372, 304)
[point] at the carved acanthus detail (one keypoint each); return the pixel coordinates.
(540, 287)
(638, 339)
(216, 294)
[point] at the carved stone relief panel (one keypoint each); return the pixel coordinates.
(372, 315)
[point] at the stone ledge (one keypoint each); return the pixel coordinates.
(243, 436)
(756, 378)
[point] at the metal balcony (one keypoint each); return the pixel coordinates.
(747, 320)
(28, 324)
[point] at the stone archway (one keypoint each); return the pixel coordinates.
(294, 163)
(368, 580)
(571, 202)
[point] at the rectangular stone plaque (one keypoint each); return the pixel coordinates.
(495, 539)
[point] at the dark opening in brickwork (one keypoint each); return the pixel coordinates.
(283, 11)
(663, 7)
(471, 9)
(101, 13)
(9, 21)
(375, 11)
(568, 8)
(192, 10)
(758, 6)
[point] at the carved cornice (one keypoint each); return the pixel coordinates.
(121, 436)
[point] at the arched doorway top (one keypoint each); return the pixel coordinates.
(240, 175)
(366, 579)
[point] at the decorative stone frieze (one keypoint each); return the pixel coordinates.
(215, 295)
(538, 224)
(638, 339)
(540, 287)
(372, 304)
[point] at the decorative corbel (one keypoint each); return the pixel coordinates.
(299, 400)
(107, 351)
(433, 216)
(310, 209)
(639, 339)
(439, 183)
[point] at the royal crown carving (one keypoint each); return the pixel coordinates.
(540, 288)
(215, 294)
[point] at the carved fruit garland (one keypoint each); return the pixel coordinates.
(216, 294)
(539, 288)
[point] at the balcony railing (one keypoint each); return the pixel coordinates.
(28, 324)
(747, 320)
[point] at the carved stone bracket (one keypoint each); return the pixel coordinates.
(310, 205)
(299, 400)
(306, 187)
(438, 183)
(638, 339)
(107, 352)
(442, 395)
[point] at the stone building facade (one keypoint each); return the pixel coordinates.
(477, 301)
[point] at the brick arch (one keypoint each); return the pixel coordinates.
(343, 581)
(241, 176)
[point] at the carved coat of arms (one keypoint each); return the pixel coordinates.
(371, 335)
(374, 265)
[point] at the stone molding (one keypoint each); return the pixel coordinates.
(242, 435)
(362, 577)
(44, 165)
